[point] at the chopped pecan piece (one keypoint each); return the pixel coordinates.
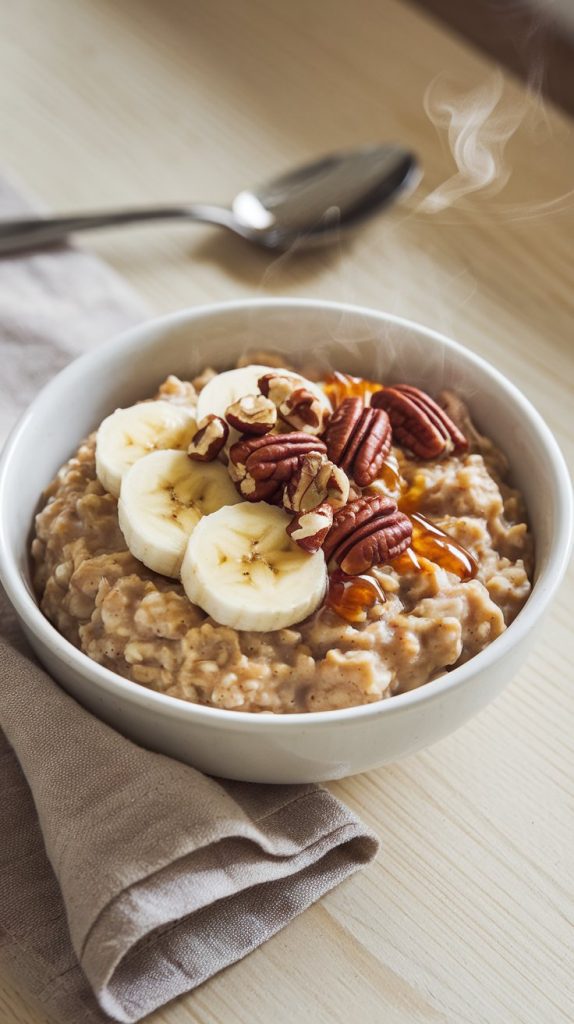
(303, 410)
(308, 529)
(367, 532)
(252, 414)
(315, 480)
(296, 405)
(209, 439)
(418, 422)
(359, 440)
(261, 466)
(276, 386)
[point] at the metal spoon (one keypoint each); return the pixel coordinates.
(309, 206)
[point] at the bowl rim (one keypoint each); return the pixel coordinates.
(542, 592)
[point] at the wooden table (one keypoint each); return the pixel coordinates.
(466, 917)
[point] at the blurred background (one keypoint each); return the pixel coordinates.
(118, 102)
(532, 38)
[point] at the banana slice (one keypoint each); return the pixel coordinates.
(164, 496)
(128, 434)
(228, 387)
(243, 570)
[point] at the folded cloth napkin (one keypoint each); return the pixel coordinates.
(126, 878)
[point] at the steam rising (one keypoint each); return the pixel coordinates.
(479, 125)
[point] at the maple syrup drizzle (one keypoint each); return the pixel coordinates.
(338, 386)
(410, 498)
(388, 481)
(390, 473)
(351, 596)
(429, 541)
(406, 562)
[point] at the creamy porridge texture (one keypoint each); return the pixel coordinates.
(426, 542)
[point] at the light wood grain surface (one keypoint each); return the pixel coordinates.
(467, 915)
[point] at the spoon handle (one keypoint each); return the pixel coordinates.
(36, 232)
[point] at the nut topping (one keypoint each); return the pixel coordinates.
(276, 386)
(209, 439)
(367, 532)
(252, 414)
(261, 466)
(359, 440)
(418, 422)
(342, 426)
(308, 529)
(295, 403)
(314, 481)
(303, 410)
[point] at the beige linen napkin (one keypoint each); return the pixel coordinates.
(126, 878)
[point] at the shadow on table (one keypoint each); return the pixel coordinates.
(261, 268)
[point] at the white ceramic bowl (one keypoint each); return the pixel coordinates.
(302, 747)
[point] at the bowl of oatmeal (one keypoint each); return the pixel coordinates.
(282, 540)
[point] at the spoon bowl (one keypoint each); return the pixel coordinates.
(314, 204)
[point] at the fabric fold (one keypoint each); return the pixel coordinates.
(158, 864)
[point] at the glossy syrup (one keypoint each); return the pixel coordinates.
(351, 596)
(411, 495)
(389, 481)
(432, 543)
(338, 386)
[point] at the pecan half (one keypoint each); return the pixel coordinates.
(261, 466)
(367, 532)
(315, 480)
(359, 440)
(296, 405)
(252, 414)
(209, 439)
(418, 422)
(309, 529)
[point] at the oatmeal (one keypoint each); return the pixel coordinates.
(379, 542)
